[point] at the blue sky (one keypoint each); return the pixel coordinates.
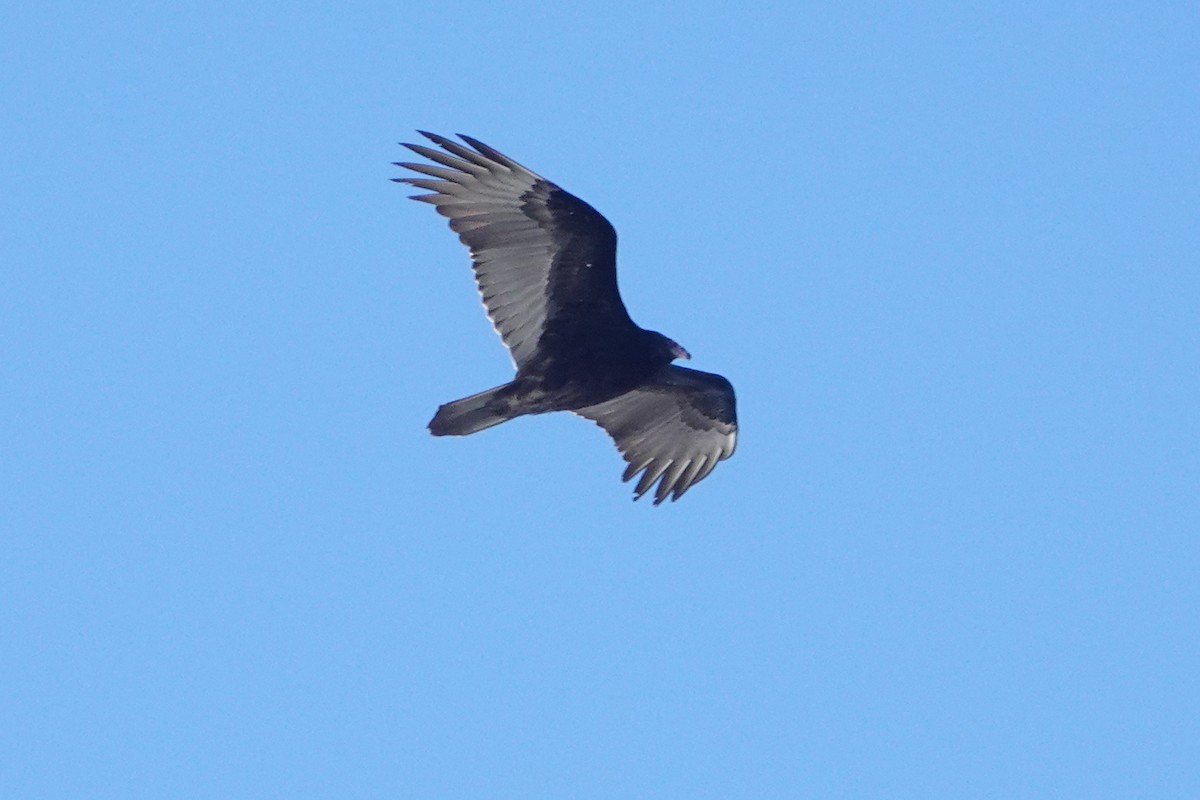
(945, 252)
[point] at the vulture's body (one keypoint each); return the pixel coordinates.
(545, 264)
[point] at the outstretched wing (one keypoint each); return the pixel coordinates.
(676, 427)
(537, 250)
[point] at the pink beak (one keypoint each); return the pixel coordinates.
(679, 352)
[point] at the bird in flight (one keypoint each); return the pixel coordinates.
(546, 266)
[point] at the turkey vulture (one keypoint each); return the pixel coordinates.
(546, 267)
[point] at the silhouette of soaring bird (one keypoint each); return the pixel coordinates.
(546, 266)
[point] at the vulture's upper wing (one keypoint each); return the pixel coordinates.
(537, 249)
(676, 427)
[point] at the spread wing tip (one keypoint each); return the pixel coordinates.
(673, 478)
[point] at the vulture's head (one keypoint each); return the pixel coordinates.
(669, 348)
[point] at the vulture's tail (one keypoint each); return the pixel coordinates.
(470, 414)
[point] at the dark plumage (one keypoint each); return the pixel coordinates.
(546, 266)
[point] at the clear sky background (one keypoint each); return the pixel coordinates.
(946, 252)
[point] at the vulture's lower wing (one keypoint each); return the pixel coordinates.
(675, 427)
(534, 246)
